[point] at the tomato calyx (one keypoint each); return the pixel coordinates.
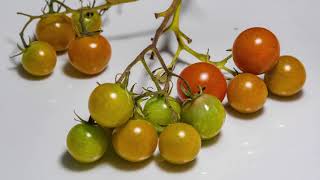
(90, 121)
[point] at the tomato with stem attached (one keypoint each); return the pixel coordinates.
(206, 114)
(287, 77)
(57, 30)
(39, 58)
(179, 143)
(90, 54)
(91, 20)
(157, 111)
(135, 141)
(86, 142)
(206, 76)
(247, 93)
(256, 50)
(110, 105)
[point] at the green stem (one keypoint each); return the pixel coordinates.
(154, 79)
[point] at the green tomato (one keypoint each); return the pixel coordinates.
(39, 59)
(92, 21)
(159, 113)
(110, 105)
(205, 113)
(87, 143)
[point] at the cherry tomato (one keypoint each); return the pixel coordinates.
(179, 143)
(206, 114)
(135, 141)
(87, 143)
(110, 105)
(39, 59)
(256, 50)
(57, 30)
(90, 55)
(207, 76)
(92, 21)
(159, 113)
(247, 93)
(287, 77)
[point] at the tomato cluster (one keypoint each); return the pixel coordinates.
(78, 34)
(142, 122)
(202, 88)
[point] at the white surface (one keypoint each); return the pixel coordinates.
(282, 142)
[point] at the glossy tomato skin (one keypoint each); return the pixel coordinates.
(90, 55)
(110, 105)
(91, 19)
(247, 93)
(206, 114)
(87, 143)
(157, 112)
(256, 50)
(179, 143)
(287, 77)
(39, 59)
(135, 141)
(57, 30)
(207, 76)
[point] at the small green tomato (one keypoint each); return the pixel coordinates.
(205, 113)
(159, 113)
(87, 143)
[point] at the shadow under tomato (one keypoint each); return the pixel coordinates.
(294, 97)
(70, 71)
(25, 75)
(211, 142)
(69, 163)
(173, 168)
(114, 160)
(243, 116)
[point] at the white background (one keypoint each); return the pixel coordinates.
(280, 142)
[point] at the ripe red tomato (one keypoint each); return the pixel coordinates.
(90, 55)
(205, 75)
(256, 50)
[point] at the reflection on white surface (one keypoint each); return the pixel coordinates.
(203, 173)
(52, 101)
(250, 153)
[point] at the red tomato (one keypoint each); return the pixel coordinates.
(90, 54)
(256, 50)
(205, 75)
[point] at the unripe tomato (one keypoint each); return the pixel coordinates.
(256, 50)
(247, 93)
(57, 30)
(92, 21)
(159, 113)
(135, 141)
(87, 143)
(39, 59)
(206, 75)
(179, 143)
(110, 105)
(206, 114)
(287, 77)
(90, 55)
